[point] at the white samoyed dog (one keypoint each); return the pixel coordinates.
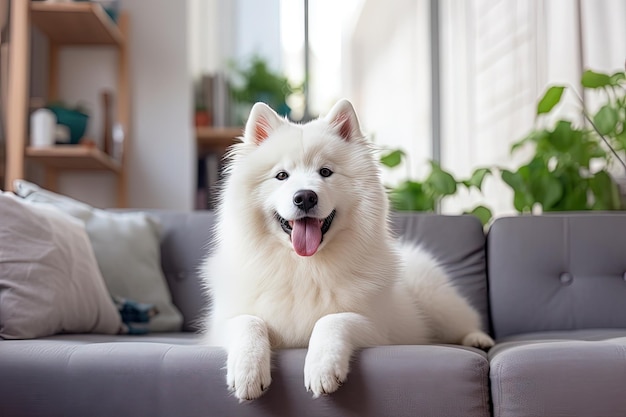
(304, 257)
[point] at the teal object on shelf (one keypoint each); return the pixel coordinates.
(75, 120)
(111, 7)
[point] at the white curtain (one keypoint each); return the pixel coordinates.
(388, 79)
(498, 56)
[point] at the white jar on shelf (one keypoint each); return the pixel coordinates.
(42, 128)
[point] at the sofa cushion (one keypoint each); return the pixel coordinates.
(178, 379)
(185, 242)
(127, 248)
(458, 244)
(557, 272)
(568, 373)
(49, 278)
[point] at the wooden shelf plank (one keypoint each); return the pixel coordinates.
(73, 157)
(79, 23)
(216, 138)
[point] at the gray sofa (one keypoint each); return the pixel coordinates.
(551, 290)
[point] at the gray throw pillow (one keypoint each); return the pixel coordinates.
(127, 248)
(49, 279)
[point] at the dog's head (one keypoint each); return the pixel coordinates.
(305, 184)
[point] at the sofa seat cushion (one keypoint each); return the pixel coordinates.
(168, 374)
(560, 373)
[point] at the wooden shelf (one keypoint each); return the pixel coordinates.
(64, 24)
(73, 157)
(80, 23)
(216, 138)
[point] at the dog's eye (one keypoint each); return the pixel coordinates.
(282, 175)
(325, 172)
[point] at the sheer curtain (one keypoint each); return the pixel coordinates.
(498, 56)
(388, 78)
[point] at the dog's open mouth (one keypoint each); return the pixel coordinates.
(306, 233)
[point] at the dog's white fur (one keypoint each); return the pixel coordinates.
(360, 287)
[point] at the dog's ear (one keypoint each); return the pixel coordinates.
(342, 117)
(261, 123)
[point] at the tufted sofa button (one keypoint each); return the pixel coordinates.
(566, 278)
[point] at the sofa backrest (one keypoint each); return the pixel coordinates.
(557, 272)
(184, 244)
(458, 243)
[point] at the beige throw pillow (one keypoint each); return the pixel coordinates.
(49, 279)
(127, 246)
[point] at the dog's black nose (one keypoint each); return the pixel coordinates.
(305, 199)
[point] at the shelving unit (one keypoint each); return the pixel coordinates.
(211, 145)
(216, 139)
(73, 157)
(76, 24)
(64, 24)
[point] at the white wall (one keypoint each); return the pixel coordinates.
(161, 158)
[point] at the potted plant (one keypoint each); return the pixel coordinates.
(256, 81)
(426, 195)
(570, 168)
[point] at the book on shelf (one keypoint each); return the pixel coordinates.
(210, 170)
(215, 97)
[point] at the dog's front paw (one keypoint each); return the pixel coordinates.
(248, 374)
(479, 340)
(324, 372)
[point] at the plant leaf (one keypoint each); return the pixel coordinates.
(483, 214)
(393, 158)
(605, 192)
(512, 179)
(563, 137)
(411, 196)
(621, 139)
(537, 136)
(550, 99)
(551, 191)
(521, 196)
(519, 202)
(477, 178)
(593, 79)
(606, 119)
(522, 142)
(442, 183)
(574, 199)
(582, 153)
(617, 78)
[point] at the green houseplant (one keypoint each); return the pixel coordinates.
(255, 81)
(569, 169)
(426, 195)
(571, 163)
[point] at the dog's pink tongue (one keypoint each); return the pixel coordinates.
(306, 236)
